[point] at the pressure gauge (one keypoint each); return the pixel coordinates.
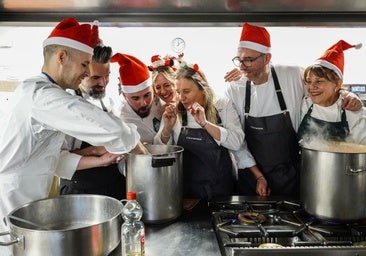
(178, 45)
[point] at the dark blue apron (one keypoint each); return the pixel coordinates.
(273, 143)
(311, 128)
(106, 180)
(207, 167)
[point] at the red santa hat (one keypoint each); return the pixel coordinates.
(133, 73)
(70, 33)
(333, 58)
(255, 38)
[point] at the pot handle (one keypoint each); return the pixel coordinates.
(162, 161)
(355, 170)
(17, 239)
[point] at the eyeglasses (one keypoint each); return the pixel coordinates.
(246, 61)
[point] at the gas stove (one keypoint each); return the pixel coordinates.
(254, 226)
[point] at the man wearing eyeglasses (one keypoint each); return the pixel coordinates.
(268, 99)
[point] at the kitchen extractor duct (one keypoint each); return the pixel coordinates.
(186, 12)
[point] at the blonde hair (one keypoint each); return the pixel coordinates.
(166, 71)
(200, 81)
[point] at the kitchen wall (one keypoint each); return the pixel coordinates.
(212, 48)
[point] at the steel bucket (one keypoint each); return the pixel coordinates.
(72, 225)
(157, 179)
(333, 185)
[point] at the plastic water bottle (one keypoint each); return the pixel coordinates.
(133, 229)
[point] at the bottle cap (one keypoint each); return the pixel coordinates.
(131, 195)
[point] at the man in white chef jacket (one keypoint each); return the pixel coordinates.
(138, 105)
(97, 170)
(42, 113)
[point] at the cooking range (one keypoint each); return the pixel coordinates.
(253, 226)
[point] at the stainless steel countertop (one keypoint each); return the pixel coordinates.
(190, 234)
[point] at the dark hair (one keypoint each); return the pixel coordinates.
(322, 72)
(102, 54)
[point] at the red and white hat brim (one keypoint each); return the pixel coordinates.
(69, 43)
(329, 65)
(254, 46)
(135, 88)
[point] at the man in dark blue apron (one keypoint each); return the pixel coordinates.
(273, 143)
(269, 113)
(104, 180)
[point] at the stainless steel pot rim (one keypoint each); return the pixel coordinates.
(161, 150)
(81, 226)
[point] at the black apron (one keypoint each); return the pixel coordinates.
(273, 143)
(207, 167)
(106, 180)
(311, 128)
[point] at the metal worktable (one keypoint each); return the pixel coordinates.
(190, 234)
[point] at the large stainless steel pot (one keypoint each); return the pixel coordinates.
(72, 225)
(333, 184)
(158, 180)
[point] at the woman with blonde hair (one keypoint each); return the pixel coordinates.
(163, 77)
(207, 128)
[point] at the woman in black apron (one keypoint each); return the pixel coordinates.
(206, 131)
(325, 117)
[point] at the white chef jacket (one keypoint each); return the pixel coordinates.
(356, 119)
(146, 126)
(264, 102)
(68, 161)
(231, 133)
(32, 133)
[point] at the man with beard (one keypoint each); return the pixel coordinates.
(97, 172)
(139, 105)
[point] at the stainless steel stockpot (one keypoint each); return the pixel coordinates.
(72, 225)
(157, 179)
(333, 185)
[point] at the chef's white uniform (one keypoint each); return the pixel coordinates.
(32, 133)
(147, 126)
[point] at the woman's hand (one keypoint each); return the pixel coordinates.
(170, 117)
(198, 112)
(233, 75)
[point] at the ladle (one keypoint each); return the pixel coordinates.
(38, 226)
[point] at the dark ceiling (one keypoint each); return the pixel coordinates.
(186, 12)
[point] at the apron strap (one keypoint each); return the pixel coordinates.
(281, 101)
(278, 90)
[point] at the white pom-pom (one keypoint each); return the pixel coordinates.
(358, 46)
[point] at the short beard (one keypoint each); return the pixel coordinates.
(144, 114)
(96, 95)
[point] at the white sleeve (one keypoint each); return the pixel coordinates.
(231, 134)
(78, 118)
(67, 164)
(244, 157)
